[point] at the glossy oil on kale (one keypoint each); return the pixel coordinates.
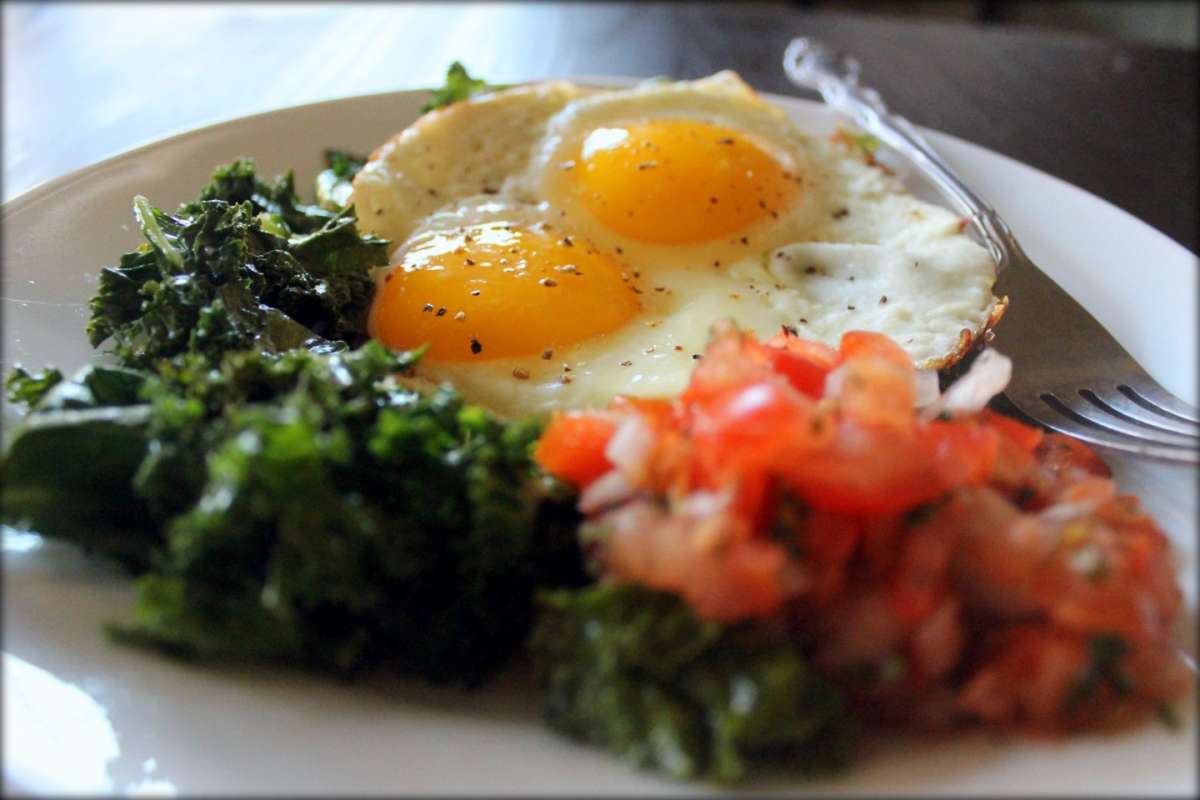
(303, 507)
(634, 671)
(246, 265)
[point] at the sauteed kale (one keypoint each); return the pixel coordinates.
(279, 494)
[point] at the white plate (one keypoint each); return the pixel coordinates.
(82, 715)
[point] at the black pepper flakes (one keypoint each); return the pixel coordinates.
(566, 242)
(547, 354)
(549, 283)
(883, 300)
(441, 312)
(851, 308)
(790, 331)
(841, 212)
(474, 293)
(725, 140)
(627, 363)
(810, 270)
(695, 356)
(744, 240)
(428, 307)
(469, 262)
(476, 346)
(647, 165)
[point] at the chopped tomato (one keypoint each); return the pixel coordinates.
(1024, 436)
(804, 363)
(749, 428)
(877, 391)
(1061, 453)
(867, 470)
(970, 564)
(964, 453)
(858, 344)
(572, 447)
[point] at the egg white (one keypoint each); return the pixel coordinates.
(854, 250)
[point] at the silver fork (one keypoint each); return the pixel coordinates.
(1069, 373)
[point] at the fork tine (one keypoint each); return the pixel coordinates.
(1114, 400)
(1159, 399)
(1062, 420)
(1072, 404)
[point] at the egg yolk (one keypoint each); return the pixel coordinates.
(496, 290)
(678, 181)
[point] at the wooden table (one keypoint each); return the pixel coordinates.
(85, 81)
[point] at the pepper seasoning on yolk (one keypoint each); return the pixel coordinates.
(678, 181)
(497, 290)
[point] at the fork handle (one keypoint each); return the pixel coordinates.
(813, 65)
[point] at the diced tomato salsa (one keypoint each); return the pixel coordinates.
(950, 569)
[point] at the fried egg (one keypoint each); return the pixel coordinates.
(555, 246)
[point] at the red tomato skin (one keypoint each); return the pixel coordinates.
(1025, 436)
(572, 447)
(804, 374)
(867, 470)
(964, 452)
(856, 344)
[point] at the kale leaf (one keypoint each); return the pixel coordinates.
(459, 85)
(21, 387)
(303, 507)
(633, 670)
(334, 182)
(246, 265)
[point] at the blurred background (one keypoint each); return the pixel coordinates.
(1163, 22)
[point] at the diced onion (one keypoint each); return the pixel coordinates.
(987, 377)
(927, 387)
(608, 490)
(630, 446)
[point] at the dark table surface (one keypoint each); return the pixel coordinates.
(85, 81)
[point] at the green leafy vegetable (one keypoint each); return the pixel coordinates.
(459, 85)
(334, 182)
(21, 387)
(635, 671)
(305, 507)
(67, 475)
(245, 265)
